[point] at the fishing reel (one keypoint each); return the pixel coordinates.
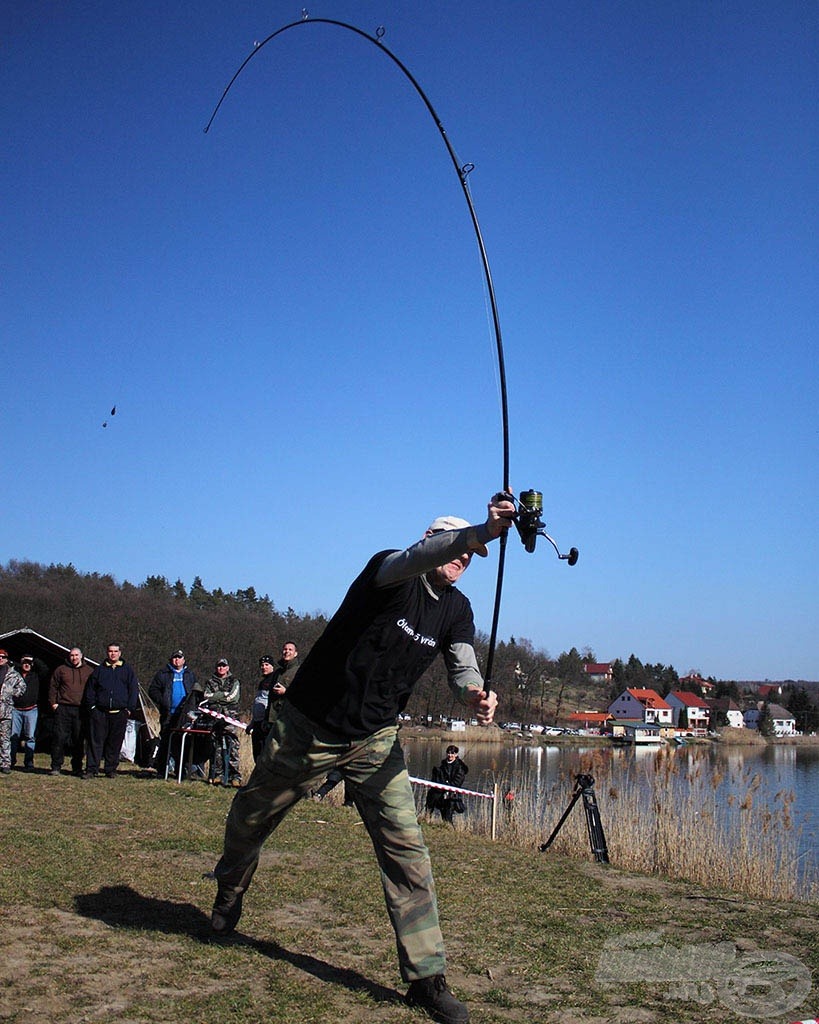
(529, 525)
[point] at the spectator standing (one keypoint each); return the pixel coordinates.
(259, 726)
(341, 712)
(111, 696)
(12, 685)
(221, 694)
(175, 692)
(286, 668)
(451, 772)
(65, 696)
(24, 714)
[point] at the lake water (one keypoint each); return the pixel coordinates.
(730, 769)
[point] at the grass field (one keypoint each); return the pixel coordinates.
(104, 904)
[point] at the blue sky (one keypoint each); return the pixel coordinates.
(289, 311)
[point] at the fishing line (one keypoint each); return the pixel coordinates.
(528, 519)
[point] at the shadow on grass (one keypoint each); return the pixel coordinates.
(120, 906)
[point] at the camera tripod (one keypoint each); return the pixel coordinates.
(584, 786)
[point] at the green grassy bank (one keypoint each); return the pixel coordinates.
(104, 909)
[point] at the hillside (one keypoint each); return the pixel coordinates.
(153, 618)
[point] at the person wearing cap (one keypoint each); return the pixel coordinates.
(341, 713)
(174, 691)
(65, 697)
(286, 668)
(12, 685)
(25, 712)
(221, 694)
(258, 727)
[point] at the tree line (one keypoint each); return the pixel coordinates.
(152, 618)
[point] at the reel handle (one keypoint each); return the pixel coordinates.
(530, 526)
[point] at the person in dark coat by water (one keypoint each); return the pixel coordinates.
(451, 772)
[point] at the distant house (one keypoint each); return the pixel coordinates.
(694, 683)
(591, 721)
(630, 730)
(784, 723)
(599, 673)
(726, 706)
(646, 705)
(768, 690)
(688, 710)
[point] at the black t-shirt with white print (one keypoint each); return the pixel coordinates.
(360, 673)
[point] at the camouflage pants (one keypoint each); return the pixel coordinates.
(5, 743)
(296, 758)
(225, 745)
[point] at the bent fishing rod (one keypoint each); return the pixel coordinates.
(529, 505)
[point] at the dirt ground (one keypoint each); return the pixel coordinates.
(91, 966)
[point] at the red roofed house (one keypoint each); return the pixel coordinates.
(646, 705)
(689, 711)
(694, 682)
(599, 673)
(589, 720)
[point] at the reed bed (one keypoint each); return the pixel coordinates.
(665, 818)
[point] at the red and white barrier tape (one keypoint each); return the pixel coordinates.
(419, 782)
(452, 789)
(221, 717)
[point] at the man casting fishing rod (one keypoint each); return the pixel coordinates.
(340, 713)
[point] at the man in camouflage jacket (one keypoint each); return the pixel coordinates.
(12, 685)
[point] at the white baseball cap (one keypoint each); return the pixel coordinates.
(443, 523)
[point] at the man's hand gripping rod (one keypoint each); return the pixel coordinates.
(528, 524)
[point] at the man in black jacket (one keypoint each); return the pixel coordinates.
(285, 672)
(111, 696)
(174, 691)
(451, 772)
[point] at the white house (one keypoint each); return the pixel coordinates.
(728, 707)
(688, 710)
(647, 705)
(784, 723)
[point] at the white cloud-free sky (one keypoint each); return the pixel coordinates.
(289, 311)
